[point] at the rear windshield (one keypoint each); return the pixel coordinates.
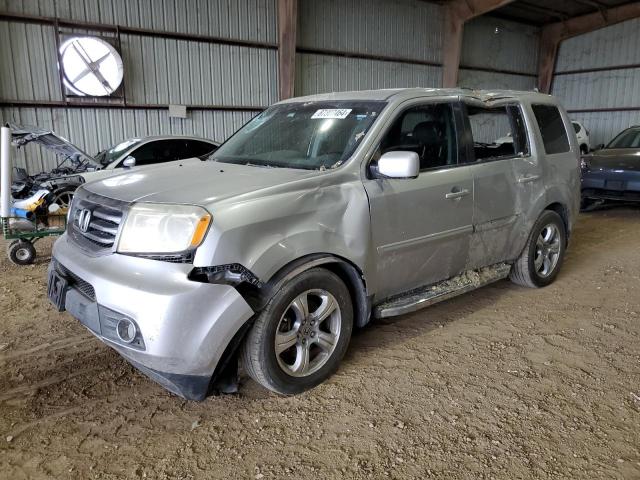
(312, 135)
(627, 139)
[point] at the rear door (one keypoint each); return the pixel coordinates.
(504, 177)
(421, 226)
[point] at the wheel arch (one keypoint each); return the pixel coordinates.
(563, 211)
(349, 273)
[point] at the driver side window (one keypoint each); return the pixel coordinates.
(429, 131)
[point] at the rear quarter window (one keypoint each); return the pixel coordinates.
(552, 130)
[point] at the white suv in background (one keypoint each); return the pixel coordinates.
(583, 137)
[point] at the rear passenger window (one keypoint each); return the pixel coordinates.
(498, 132)
(554, 135)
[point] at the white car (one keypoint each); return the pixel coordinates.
(77, 167)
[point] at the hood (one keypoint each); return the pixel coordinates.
(615, 159)
(24, 134)
(193, 182)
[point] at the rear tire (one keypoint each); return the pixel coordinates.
(21, 252)
(541, 259)
(584, 149)
(300, 337)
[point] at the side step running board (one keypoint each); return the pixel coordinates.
(431, 294)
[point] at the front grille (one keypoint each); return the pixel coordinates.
(94, 222)
(75, 281)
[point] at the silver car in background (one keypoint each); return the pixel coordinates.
(321, 213)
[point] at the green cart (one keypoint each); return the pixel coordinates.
(23, 234)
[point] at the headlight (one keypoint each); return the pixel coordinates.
(157, 228)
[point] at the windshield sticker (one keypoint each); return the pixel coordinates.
(338, 113)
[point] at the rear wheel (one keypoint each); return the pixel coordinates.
(21, 252)
(541, 259)
(584, 149)
(301, 336)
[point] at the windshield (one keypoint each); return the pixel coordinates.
(313, 135)
(627, 139)
(107, 156)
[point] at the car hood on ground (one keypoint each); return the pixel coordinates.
(615, 159)
(193, 182)
(24, 134)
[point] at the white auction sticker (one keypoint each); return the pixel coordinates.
(332, 113)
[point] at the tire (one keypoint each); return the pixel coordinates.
(21, 252)
(323, 343)
(63, 196)
(527, 270)
(583, 149)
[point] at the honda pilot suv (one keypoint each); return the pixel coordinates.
(320, 214)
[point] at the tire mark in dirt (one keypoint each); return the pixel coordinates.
(48, 346)
(32, 388)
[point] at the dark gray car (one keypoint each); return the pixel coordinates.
(613, 172)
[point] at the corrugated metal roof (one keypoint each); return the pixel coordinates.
(238, 19)
(494, 43)
(404, 28)
(490, 80)
(159, 70)
(324, 73)
(616, 88)
(606, 47)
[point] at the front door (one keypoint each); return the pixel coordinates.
(421, 226)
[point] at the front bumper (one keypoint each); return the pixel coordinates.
(185, 326)
(611, 185)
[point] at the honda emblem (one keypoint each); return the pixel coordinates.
(84, 219)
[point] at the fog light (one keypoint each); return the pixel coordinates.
(126, 330)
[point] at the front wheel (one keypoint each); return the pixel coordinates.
(540, 261)
(21, 252)
(301, 336)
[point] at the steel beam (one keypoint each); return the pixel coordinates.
(456, 13)
(555, 33)
(287, 25)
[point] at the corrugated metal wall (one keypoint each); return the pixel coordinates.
(613, 46)
(157, 70)
(396, 28)
(494, 43)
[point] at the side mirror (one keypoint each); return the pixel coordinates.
(129, 162)
(400, 165)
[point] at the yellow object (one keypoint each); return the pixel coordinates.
(201, 230)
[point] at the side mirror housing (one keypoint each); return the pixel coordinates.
(399, 165)
(129, 162)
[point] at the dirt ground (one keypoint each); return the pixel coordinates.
(502, 383)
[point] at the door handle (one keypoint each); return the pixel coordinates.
(528, 178)
(456, 193)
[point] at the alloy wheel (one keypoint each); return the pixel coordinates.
(547, 250)
(307, 333)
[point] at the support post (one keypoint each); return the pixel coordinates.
(452, 48)
(456, 13)
(287, 26)
(549, 45)
(5, 172)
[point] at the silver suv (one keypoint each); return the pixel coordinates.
(319, 214)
